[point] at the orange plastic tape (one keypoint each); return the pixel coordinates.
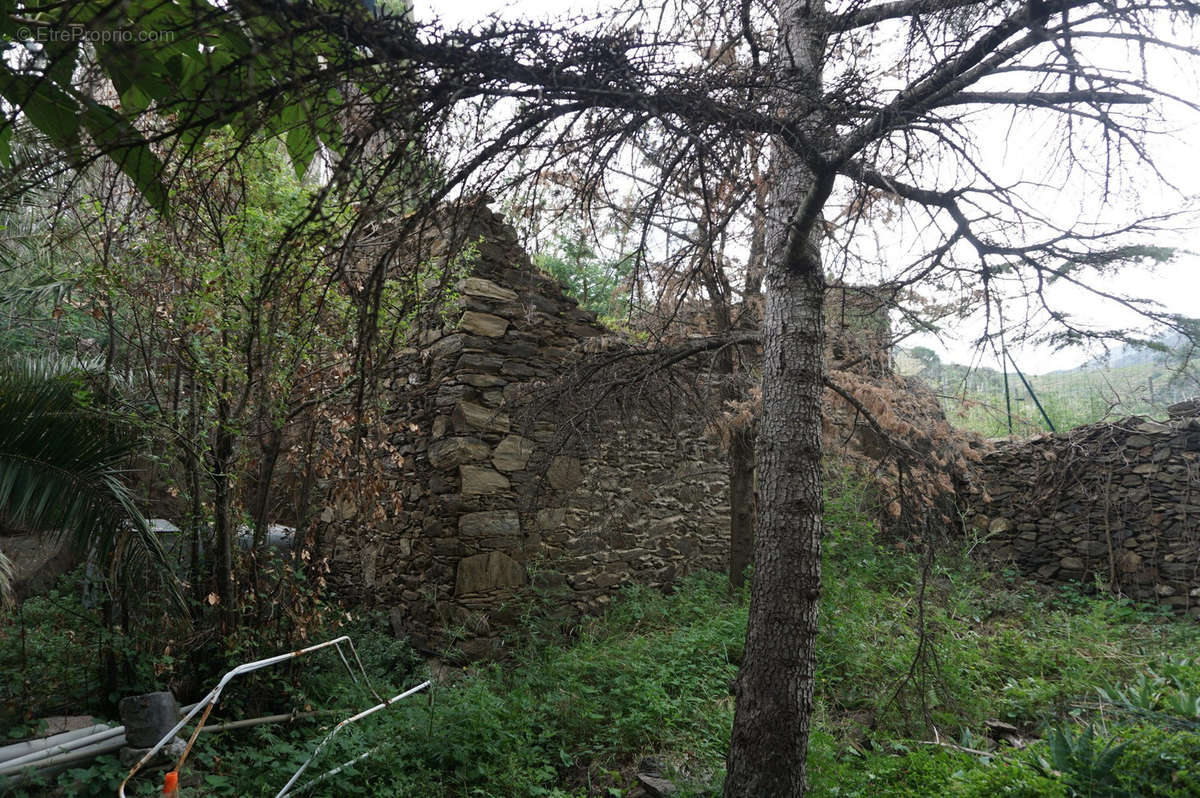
(171, 783)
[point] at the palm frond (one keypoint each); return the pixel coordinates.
(60, 468)
(6, 580)
(55, 292)
(48, 366)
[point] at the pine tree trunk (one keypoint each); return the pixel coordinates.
(775, 686)
(741, 507)
(742, 501)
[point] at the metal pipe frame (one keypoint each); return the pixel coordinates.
(209, 701)
(287, 788)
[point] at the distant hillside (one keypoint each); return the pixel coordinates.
(1126, 355)
(1132, 381)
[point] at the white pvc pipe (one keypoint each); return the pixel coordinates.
(71, 745)
(91, 752)
(29, 746)
(329, 774)
(38, 759)
(113, 737)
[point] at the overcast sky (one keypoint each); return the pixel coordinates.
(1176, 286)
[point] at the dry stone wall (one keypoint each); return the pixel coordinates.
(493, 498)
(501, 480)
(1116, 502)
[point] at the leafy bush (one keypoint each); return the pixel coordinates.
(1083, 761)
(1013, 779)
(52, 654)
(900, 772)
(1156, 763)
(1172, 695)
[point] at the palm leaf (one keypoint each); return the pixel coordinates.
(55, 293)
(6, 579)
(60, 469)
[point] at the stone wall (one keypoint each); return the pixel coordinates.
(1119, 502)
(511, 460)
(493, 495)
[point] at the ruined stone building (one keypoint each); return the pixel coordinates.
(518, 449)
(513, 470)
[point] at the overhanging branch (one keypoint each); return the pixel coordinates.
(1043, 98)
(839, 23)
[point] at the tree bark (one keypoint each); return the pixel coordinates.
(741, 507)
(192, 467)
(742, 499)
(758, 239)
(222, 457)
(775, 686)
(740, 463)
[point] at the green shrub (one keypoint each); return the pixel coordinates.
(1160, 764)
(1009, 778)
(916, 772)
(52, 655)
(1084, 761)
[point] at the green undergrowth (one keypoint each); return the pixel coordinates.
(918, 654)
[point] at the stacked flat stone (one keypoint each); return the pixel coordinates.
(1118, 502)
(493, 500)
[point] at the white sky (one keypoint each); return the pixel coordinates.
(1176, 286)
